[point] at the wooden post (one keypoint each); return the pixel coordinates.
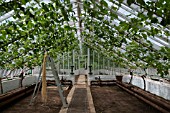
(44, 84)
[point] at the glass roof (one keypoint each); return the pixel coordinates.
(127, 16)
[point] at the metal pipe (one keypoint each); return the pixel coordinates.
(88, 62)
(68, 60)
(98, 63)
(73, 60)
(145, 100)
(93, 62)
(63, 63)
(7, 15)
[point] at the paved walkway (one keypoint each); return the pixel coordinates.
(81, 80)
(79, 98)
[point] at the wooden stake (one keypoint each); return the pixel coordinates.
(44, 84)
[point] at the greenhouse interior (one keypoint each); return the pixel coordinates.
(84, 56)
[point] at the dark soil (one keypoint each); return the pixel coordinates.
(53, 104)
(115, 100)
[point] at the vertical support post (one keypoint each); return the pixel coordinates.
(85, 62)
(58, 64)
(93, 61)
(73, 60)
(98, 63)
(112, 70)
(103, 62)
(79, 62)
(63, 63)
(68, 60)
(112, 67)
(88, 58)
(107, 64)
(44, 84)
(109, 67)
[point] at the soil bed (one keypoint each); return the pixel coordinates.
(115, 100)
(53, 105)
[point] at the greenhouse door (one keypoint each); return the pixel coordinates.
(82, 64)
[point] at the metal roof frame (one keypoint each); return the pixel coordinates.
(123, 6)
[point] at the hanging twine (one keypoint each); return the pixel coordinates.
(44, 84)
